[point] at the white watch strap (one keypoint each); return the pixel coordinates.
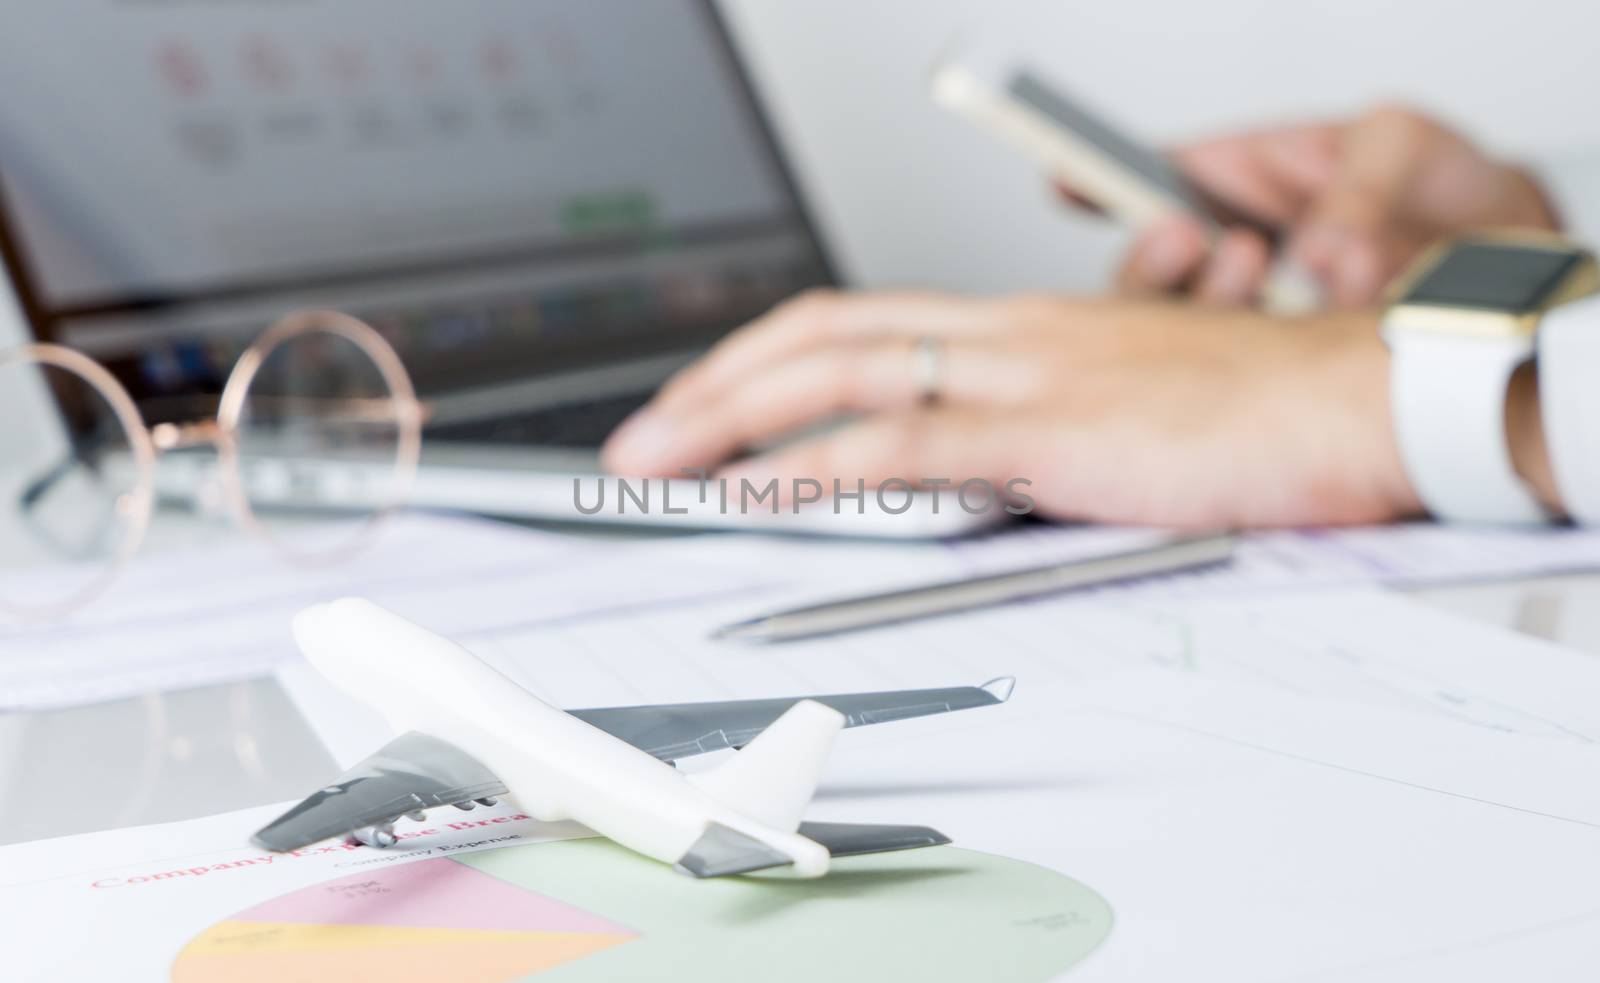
(1448, 394)
(1569, 400)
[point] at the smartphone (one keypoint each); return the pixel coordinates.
(1129, 181)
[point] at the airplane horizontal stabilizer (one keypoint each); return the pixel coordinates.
(855, 839)
(722, 852)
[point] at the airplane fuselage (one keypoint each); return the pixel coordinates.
(555, 765)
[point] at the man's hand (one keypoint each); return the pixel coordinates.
(1115, 411)
(1357, 201)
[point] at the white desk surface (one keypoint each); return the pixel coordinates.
(187, 753)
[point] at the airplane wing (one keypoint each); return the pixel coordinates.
(411, 773)
(415, 772)
(671, 731)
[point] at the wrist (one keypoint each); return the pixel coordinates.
(1463, 329)
(1359, 375)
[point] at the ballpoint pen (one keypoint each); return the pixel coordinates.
(948, 597)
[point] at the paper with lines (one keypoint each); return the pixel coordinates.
(192, 616)
(188, 617)
(1297, 785)
(1237, 837)
(1410, 554)
(1245, 834)
(1360, 646)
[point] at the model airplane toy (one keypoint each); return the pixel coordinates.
(470, 734)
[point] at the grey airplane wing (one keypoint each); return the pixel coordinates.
(671, 731)
(415, 772)
(411, 773)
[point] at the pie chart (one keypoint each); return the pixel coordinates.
(587, 910)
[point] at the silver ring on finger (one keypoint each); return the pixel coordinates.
(927, 369)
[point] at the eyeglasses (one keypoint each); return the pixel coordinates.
(77, 487)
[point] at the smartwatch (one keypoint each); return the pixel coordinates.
(1460, 322)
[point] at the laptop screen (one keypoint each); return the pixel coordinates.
(504, 188)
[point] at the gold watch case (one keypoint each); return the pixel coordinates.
(1434, 317)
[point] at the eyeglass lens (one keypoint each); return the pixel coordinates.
(71, 502)
(319, 425)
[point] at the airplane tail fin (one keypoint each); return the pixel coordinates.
(773, 778)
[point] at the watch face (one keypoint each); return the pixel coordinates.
(1495, 277)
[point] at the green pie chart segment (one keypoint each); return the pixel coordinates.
(941, 913)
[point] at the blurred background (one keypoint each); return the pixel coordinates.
(910, 195)
(546, 207)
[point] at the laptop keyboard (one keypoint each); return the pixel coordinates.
(581, 425)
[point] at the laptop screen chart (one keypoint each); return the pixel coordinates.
(471, 172)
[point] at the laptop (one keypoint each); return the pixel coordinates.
(547, 208)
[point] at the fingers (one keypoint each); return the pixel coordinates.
(818, 319)
(1356, 234)
(1164, 258)
(952, 443)
(1269, 174)
(807, 388)
(1303, 159)
(1174, 256)
(1236, 271)
(1354, 244)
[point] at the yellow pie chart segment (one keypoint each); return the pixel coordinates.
(587, 910)
(356, 954)
(430, 920)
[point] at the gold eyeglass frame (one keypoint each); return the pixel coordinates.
(146, 444)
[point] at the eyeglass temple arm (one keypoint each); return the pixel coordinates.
(35, 491)
(165, 437)
(80, 446)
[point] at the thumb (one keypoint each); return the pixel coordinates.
(1358, 231)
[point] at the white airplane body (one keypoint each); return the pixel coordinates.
(449, 705)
